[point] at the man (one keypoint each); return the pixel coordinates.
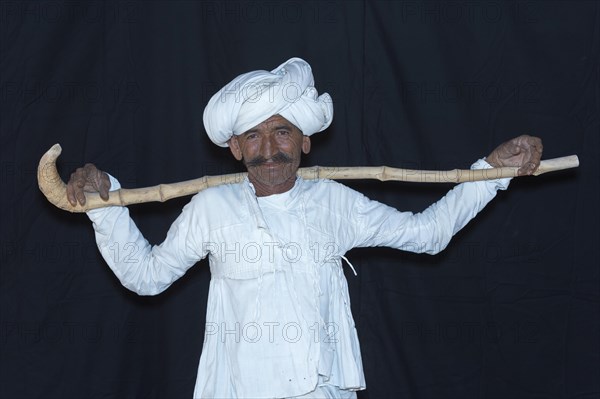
(279, 323)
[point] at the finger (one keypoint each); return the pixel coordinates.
(80, 196)
(536, 158)
(527, 169)
(536, 152)
(104, 186)
(533, 152)
(538, 146)
(71, 191)
(91, 174)
(79, 182)
(94, 179)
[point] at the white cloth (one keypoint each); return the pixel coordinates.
(253, 97)
(278, 317)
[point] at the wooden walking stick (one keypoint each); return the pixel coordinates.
(56, 192)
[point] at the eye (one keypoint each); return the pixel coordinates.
(251, 136)
(283, 132)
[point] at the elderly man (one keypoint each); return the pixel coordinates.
(278, 322)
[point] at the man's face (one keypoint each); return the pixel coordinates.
(271, 152)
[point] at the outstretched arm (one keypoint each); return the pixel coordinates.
(430, 231)
(141, 267)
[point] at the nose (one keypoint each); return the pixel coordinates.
(268, 146)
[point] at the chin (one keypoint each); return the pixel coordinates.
(275, 181)
(274, 175)
(272, 179)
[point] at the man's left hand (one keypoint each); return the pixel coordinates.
(524, 152)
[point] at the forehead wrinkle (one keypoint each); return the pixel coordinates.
(278, 123)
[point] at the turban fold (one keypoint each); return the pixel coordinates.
(254, 97)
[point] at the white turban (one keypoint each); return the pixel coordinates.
(254, 97)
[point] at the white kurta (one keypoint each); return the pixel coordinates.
(278, 320)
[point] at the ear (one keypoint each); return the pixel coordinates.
(234, 147)
(305, 144)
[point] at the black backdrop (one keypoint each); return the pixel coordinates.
(509, 310)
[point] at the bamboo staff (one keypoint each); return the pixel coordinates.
(54, 188)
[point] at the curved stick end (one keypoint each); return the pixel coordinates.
(56, 148)
(49, 181)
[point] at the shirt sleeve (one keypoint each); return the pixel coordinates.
(429, 231)
(142, 268)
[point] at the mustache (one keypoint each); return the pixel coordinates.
(280, 157)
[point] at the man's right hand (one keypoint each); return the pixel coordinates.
(88, 179)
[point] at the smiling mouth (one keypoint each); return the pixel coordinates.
(271, 164)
